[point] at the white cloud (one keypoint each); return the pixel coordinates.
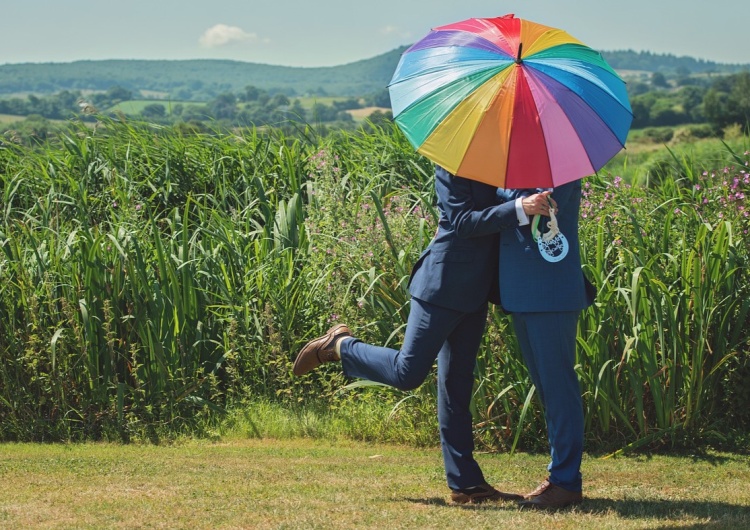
(221, 35)
(395, 30)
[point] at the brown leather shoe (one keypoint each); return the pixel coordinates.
(321, 350)
(538, 490)
(482, 493)
(547, 496)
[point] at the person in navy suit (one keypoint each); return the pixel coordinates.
(545, 298)
(450, 285)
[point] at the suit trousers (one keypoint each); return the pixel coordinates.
(548, 343)
(453, 337)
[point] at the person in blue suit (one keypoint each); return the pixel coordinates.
(545, 299)
(450, 285)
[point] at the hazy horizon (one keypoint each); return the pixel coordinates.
(325, 33)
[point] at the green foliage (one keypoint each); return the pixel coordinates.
(205, 79)
(658, 135)
(153, 278)
(200, 79)
(666, 63)
(251, 107)
(243, 98)
(728, 102)
(671, 268)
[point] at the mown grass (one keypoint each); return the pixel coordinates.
(300, 483)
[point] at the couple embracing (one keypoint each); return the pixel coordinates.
(485, 250)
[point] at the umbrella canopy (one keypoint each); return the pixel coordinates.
(510, 102)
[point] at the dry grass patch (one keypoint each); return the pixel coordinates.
(11, 118)
(361, 114)
(312, 484)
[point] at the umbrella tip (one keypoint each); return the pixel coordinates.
(518, 57)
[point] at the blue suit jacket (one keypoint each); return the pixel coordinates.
(458, 270)
(528, 283)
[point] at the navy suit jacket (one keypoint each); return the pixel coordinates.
(529, 283)
(458, 270)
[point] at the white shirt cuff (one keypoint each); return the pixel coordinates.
(523, 219)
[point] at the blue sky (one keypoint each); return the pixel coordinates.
(335, 32)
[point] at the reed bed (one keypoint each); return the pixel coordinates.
(151, 281)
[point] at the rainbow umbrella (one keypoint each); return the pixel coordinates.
(510, 102)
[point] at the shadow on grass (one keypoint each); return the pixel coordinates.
(719, 513)
(430, 501)
(667, 509)
(693, 455)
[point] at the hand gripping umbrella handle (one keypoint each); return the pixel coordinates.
(552, 225)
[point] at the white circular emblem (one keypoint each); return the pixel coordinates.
(555, 249)
(553, 245)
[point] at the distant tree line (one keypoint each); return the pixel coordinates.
(666, 62)
(198, 80)
(249, 107)
(63, 105)
(658, 100)
(202, 80)
(718, 102)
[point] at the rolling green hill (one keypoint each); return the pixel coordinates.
(198, 80)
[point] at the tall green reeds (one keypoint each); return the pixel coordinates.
(671, 311)
(150, 280)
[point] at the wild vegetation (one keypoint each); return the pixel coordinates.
(152, 281)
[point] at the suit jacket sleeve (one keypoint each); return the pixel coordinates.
(458, 270)
(467, 216)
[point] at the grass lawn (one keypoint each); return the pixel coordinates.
(300, 483)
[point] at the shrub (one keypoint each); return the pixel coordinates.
(660, 135)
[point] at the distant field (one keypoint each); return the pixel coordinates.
(634, 74)
(308, 101)
(154, 94)
(361, 114)
(10, 118)
(137, 105)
